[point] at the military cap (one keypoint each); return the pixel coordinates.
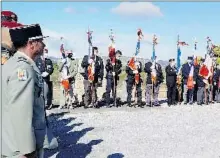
(8, 16)
(21, 35)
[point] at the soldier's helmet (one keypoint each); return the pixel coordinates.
(9, 16)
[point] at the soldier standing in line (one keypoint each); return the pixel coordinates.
(149, 68)
(90, 87)
(134, 80)
(112, 73)
(23, 114)
(171, 77)
(45, 65)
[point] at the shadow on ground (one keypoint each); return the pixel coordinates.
(67, 138)
(116, 155)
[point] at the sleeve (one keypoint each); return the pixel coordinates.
(184, 72)
(119, 66)
(50, 68)
(129, 71)
(21, 101)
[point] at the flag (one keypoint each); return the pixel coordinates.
(138, 47)
(183, 43)
(206, 69)
(153, 53)
(89, 37)
(179, 53)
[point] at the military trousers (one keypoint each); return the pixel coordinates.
(187, 94)
(130, 86)
(200, 95)
(171, 94)
(90, 90)
(152, 91)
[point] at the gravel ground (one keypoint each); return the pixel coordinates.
(159, 132)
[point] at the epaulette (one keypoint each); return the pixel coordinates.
(23, 59)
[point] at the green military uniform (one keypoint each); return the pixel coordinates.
(23, 114)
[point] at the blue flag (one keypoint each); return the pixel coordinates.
(153, 54)
(178, 58)
(138, 47)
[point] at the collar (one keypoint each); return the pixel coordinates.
(25, 56)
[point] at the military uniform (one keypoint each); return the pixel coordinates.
(149, 86)
(23, 115)
(110, 78)
(131, 83)
(46, 65)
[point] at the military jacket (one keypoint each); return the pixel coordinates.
(23, 113)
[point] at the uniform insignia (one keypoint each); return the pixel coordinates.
(22, 75)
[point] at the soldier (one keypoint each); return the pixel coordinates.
(90, 87)
(187, 93)
(131, 81)
(73, 70)
(112, 73)
(45, 66)
(171, 77)
(216, 80)
(23, 114)
(200, 83)
(152, 89)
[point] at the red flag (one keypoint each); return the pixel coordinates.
(183, 43)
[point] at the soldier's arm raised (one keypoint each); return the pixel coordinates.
(21, 101)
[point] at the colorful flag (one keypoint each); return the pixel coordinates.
(179, 53)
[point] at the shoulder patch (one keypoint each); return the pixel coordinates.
(22, 75)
